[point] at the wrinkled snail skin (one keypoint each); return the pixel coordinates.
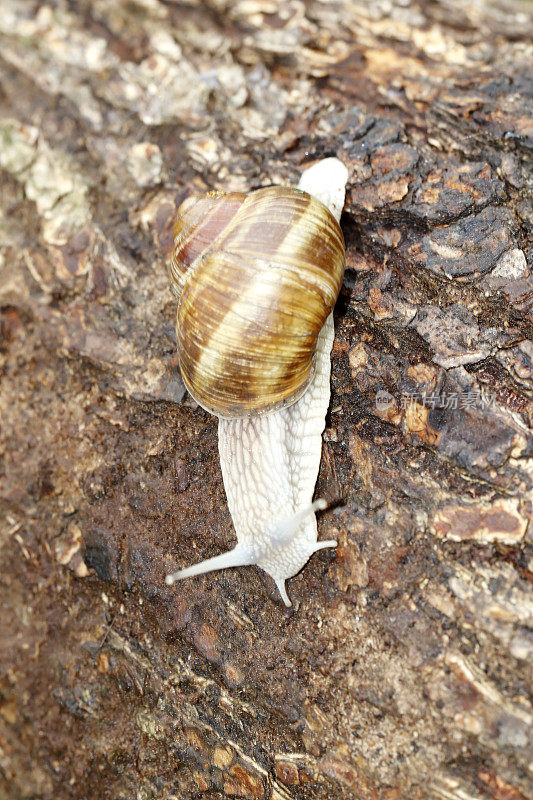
(270, 460)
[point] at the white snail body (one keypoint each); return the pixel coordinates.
(270, 445)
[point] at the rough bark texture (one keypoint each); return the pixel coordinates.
(404, 668)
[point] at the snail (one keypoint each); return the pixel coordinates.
(256, 277)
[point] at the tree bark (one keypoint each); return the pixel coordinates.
(404, 668)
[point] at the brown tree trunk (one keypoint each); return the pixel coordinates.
(404, 668)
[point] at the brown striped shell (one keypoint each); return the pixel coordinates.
(256, 277)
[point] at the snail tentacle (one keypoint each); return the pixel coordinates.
(325, 544)
(280, 584)
(241, 556)
(285, 528)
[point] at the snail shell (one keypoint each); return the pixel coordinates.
(256, 277)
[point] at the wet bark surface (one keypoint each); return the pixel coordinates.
(403, 669)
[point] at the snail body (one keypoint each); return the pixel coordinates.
(256, 278)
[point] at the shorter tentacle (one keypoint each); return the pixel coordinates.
(280, 583)
(323, 545)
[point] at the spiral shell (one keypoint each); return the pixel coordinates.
(256, 277)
